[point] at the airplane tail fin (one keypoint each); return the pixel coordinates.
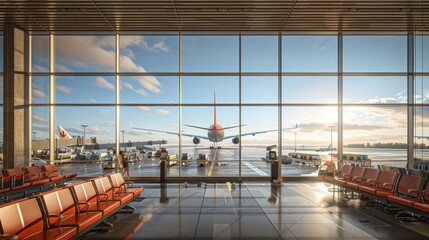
(131, 124)
(63, 132)
(214, 110)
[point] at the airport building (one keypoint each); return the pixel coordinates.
(240, 119)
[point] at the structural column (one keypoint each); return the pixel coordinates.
(16, 143)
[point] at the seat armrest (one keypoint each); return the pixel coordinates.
(86, 206)
(58, 216)
(129, 183)
(413, 192)
(358, 179)
(105, 195)
(8, 236)
(346, 175)
(119, 189)
(387, 186)
(371, 182)
(63, 171)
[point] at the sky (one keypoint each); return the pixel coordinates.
(143, 56)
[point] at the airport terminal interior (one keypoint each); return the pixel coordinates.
(192, 119)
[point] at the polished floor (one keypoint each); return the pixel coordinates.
(292, 210)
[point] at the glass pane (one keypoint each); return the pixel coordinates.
(40, 54)
(149, 53)
(210, 53)
(380, 133)
(310, 139)
(375, 53)
(421, 89)
(91, 89)
(40, 89)
(309, 54)
(147, 135)
(259, 54)
(421, 132)
(1, 53)
(92, 138)
(422, 53)
(149, 89)
(1, 137)
(259, 89)
(84, 53)
(197, 143)
(40, 134)
(309, 89)
(263, 122)
(371, 89)
(201, 89)
(1, 89)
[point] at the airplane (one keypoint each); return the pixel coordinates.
(329, 148)
(422, 137)
(215, 133)
(63, 133)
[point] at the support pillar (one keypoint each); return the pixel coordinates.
(16, 143)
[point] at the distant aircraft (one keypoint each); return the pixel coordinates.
(63, 133)
(215, 133)
(420, 137)
(330, 148)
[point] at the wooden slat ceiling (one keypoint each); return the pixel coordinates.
(216, 15)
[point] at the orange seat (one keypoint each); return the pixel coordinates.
(368, 179)
(61, 202)
(408, 190)
(424, 204)
(120, 185)
(383, 186)
(104, 186)
(51, 172)
(18, 178)
(35, 175)
(23, 219)
(345, 174)
(356, 176)
(89, 200)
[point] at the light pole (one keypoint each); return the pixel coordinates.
(34, 136)
(123, 138)
(84, 133)
(295, 140)
(330, 146)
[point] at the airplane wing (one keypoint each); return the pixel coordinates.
(260, 132)
(235, 126)
(167, 132)
(420, 137)
(192, 126)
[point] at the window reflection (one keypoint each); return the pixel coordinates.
(40, 54)
(373, 90)
(149, 54)
(210, 53)
(375, 53)
(379, 132)
(309, 53)
(40, 89)
(84, 53)
(149, 89)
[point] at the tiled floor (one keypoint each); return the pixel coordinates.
(292, 210)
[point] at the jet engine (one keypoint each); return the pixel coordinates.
(236, 140)
(196, 140)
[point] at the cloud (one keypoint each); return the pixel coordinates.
(144, 109)
(362, 127)
(141, 42)
(39, 94)
(93, 100)
(38, 68)
(96, 131)
(162, 112)
(100, 54)
(41, 129)
(64, 89)
(103, 83)
(107, 123)
(140, 91)
(38, 119)
(139, 133)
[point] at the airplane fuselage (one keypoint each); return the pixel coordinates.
(215, 133)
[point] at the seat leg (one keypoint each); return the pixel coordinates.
(103, 226)
(127, 209)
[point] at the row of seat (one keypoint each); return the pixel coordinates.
(390, 188)
(69, 212)
(22, 179)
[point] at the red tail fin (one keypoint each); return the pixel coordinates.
(214, 115)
